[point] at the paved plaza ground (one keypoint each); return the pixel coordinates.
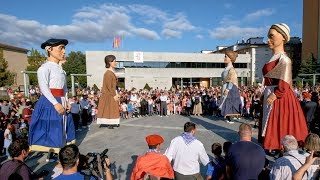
(128, 141)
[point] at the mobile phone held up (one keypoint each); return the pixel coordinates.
(316, 154)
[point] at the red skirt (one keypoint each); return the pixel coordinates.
(286, 118)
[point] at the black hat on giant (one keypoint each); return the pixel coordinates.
(54, 42)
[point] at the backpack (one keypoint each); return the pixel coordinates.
(15, 175)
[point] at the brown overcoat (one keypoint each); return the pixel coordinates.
(108, 108)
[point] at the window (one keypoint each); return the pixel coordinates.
(155, 64)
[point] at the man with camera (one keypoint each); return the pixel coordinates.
(69, 159)
(16, 168)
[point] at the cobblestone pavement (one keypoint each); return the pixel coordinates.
(128, 141)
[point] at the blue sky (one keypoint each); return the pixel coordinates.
(144, 25)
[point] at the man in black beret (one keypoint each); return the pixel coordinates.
(54, 42)
(51, 128)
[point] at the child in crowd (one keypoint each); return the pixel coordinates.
(171, 108)
(8, 138)
(124, 110)
(217, 167)
(130, 109)
(94, 113)
(179, 109)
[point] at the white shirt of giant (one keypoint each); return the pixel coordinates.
(187, 157)
(51, 75)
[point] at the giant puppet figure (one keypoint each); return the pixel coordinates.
(230, 101)
(51, 128)
(108, 108)
(282, 113)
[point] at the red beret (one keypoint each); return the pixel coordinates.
(154, 139)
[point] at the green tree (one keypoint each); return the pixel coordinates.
(147, 87)
(6, 77)
(95, 87)
(76, 64)
(35, 60)
(308, 66)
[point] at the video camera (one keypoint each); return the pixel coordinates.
(95, 163)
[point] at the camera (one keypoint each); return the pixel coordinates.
(95, 163)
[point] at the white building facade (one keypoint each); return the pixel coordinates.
(164, 70)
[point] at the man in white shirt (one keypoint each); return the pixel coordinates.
(187, 152)
(163, 104)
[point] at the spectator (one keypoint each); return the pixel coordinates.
(216, 167)
(312, 143)
(153, 163)
(8, 138)
(19, 151)
(309, 108)
(69, 159)
(163, 104)
(124, 110)
(27, 112)
(75, 112)
(245, 159)
(226, 148)
(6, 107)
(284, 167)
(150, 106)
(299, 174)
(85, 105)
(187, 151)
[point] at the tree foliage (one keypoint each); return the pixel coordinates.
(6, 77)
(308, 66)
(76, 64)
(35, 60)
(147, 87)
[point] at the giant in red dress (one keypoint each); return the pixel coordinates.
(286, 116)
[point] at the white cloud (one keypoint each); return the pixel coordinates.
(259, 13)
(169, 33)
(199, 36)
(228, 21)
(97, 23)
(231, 32)
(231, 28)
(148, 14)
(146, 33)
(179, 22)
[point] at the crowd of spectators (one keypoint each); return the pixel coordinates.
(16, 113)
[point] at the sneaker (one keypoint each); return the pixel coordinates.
(230, 122)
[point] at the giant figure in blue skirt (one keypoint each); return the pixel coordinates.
(230, 101)
(51, 128)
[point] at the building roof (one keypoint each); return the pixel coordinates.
(13, 48)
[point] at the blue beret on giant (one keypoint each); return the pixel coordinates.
(54, 42)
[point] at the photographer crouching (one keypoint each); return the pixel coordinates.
(69, 160)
